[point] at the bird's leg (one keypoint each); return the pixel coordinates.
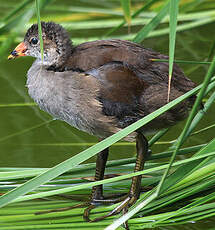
(134, 192)
(142, 154)
(97, 191)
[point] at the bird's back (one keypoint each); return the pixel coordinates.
(91, 55)
(131, 84)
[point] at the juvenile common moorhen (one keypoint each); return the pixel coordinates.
(101, 87)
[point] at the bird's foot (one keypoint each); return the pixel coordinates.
(126, 202)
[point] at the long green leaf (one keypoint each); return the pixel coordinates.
(39, 28)
(150, 204)
(187, 169)
(173, 11)
(126, 6)
(24, 130)
(142, 34)
(17, 104)
(105, 181)
(142, 9)
(194, 111)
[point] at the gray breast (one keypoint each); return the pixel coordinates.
(71, 97)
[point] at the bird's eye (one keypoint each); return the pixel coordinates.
(34, 41)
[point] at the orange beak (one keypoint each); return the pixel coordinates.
(18, 51)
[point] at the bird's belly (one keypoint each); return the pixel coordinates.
(51, 101)
(72, 112)
(56, 108)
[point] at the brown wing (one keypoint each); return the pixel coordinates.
(127, 96)
(91, 55)
(118, 83)
(120, 92)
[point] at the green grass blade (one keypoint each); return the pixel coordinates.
(142, 9)
(5, 176)
(24, 130)
(157, 136)
(203, 129)
(194, 110)
(183, 61)
(17, 10)
(200, 114)
(17, 104)
(39, 28)
(187, 169)
(173, 11)
(128, 215)
(142, 34)
(126, 6)
(110, 180)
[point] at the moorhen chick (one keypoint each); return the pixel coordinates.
(101, 87)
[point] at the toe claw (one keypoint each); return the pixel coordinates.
(86, 215)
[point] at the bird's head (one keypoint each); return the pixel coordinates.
(56, 44)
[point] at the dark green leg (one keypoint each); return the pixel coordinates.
(134, 193)
(97, 191)
(142, 152)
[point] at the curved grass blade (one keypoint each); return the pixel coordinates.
(173, 11)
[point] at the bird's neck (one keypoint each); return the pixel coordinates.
(56, 60)
(56, 64)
